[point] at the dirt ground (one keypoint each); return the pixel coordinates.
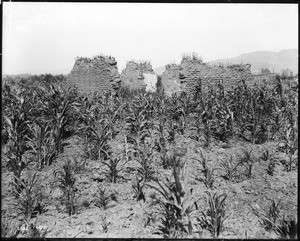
(127, 218)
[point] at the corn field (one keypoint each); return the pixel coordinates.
(185, 166)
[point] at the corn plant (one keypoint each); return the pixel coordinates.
(17, 127)
(65, 177)
(42, 144)
(217, 118)
(103, 198)
(213, 218)
(60, 109)
(113, 166)
(175, 206)
(247, 161)
(144, 157)
(176, 111)
(160, 106)
(9, 229)
(138, 130)
(269, 157)
(137, 188)
(290, 148)
(196, 126)
(97, 128)
(287, 229)
(230, 169)
(171, 130)
(29, 196)
(161, 142)
(252, 109)
(269, 215)
(137, 121)
(205, 117)
(206, 177)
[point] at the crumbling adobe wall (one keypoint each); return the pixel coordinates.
(97, 74)
(170, 79)
(190, 71)
(230, 76)
(135, 73)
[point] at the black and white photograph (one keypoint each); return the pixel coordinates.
(149, 120)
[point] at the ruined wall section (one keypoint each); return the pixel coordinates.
(133, 74)
(230, 76)
(97, 74)
(170, 79)
(192, 71)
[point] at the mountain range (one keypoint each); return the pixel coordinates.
(274, 61)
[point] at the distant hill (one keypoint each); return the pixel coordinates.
(285, 59)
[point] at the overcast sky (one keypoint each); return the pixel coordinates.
(46, 37)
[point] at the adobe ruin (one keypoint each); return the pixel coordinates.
(95, 74)
(191, 71)
(139, 75)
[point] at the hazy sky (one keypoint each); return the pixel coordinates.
(46, 37)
